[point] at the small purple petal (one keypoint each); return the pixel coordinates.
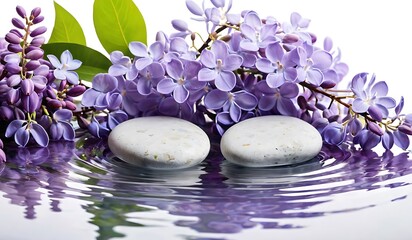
(68, 131)
(138, 49)
(232, 62)
(215, 99)
(62, 115)
(194, 8)
(206, 74)
(246, 101)
(22, 137)
(225, 81)
(13, 127)
(401, 140)
(166, 86)
(180, 94)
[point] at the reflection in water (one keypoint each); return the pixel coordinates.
(221, 197)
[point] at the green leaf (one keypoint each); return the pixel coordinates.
(66, 28)
(117, 23)
(93, 62)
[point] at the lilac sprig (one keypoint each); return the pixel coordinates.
(246, 67)
(37, 96)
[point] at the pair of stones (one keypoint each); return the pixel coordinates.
(172, 143)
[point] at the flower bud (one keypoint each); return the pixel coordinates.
(6, 114)
(405, 129)
(373, 127)
(70, 105)
(62, 85)
(290, 38)
(31, 102)
(313, 37)
(49, 92)
(76, 91)
(35, 12)
(226, 38)
(180, 25)
(37, 41)
(13, 80)
(35, 54)
(39, 82)
(192, 36)
(13, 68)
(13, 96)
(27, 87)
(32, 65)
(20, 10)
(18, 23)
(83, 122)
(38, 19)
(17, 32)
(38, 31)
(54, 103)
(12, 38)
(15, 48)
(328, 84)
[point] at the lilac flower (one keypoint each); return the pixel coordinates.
(149, 77)
(115, 118)
(122, 65)
(146, 56)
(367, 139)
(180, 47)
(183, 78)
(278, 72)
(233, 103)
(22, 130)
(130, 95)
(296, 25)
(334, 133)
(64, 67)
(216, 15)
(249, 58)
(278, 99)
(371, 98)
(61, 127)
(257, 35)
(98, 96)
(219, 66)
(97, 129)
(310, 63)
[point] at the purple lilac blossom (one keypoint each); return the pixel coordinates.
(219, 65)
(35, 104)
(65, 67)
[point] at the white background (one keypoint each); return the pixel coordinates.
(374, 36)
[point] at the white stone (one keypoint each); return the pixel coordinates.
(159, 143)
(270, 141)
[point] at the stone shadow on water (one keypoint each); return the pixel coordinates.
(222, 197)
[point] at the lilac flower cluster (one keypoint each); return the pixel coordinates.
(247, 67)
(36, 95)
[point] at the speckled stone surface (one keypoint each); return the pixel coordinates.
(270, 141)
(159, 143)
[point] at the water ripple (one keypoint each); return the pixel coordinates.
(217, 196)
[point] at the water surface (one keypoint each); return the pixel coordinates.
(81, 191)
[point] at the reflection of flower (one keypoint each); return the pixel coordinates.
(30, 169)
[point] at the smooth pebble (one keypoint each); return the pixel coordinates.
(270, 141)
(159, 143)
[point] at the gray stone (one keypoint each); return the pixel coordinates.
(270, 141)
(159, 143)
